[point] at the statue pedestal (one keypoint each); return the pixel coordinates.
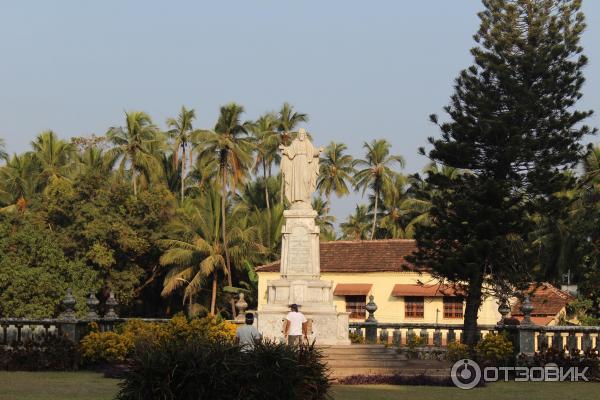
(300, 284)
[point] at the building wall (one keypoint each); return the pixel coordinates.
(389, 308)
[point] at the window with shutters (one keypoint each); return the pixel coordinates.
(414, 307)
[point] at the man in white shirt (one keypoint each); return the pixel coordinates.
(295, 326)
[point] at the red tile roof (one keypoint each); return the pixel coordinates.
(351, 289)
(546, 299)
(402, 290)
(361, 256)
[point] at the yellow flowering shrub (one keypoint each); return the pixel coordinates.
(457, 351)
(118, 345)
(494, 348)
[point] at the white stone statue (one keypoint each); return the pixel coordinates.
(300, 168)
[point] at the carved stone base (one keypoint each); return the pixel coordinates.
(326, 328)
(300, 284)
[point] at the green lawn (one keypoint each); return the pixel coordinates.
(92, 386)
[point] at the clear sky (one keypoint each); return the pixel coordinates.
(361, 70)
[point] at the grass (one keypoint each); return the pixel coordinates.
(495, 391)
(56, 386)
(92, 386)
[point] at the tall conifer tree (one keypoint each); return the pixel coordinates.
(513, 124)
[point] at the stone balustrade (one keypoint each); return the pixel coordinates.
(20, 330)
(526, 337)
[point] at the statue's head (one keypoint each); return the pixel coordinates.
(301, 134)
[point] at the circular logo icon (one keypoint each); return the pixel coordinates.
(465, 374)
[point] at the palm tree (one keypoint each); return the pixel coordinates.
(418, 204)
(288, 120)
(19, 180)
(323, 220)
(233, 149)
(131, 146)
(266, 140)
(3, 153)
(376, 174)
(336, 171)
(394, 218)
(199, 253)
(204, 172)
(181, 133)
(591, 165)
(54, 156)
(357, 224)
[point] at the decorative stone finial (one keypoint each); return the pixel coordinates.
(92, 303)
(526, 308)
(503, 309)
(69, 303)
(371, 307)
(241, 307)
(111, 303)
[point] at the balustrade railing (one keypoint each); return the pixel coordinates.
(526, 337)
(19, 330)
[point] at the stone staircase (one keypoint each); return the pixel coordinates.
(373, 359)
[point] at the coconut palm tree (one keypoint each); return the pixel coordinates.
(394, 217)
(181, 134)
(229, 143)
(336, 171)
(19, 180)
(323, 220)
(288, 120)
(204, 172)
(357, 224)
(264, 133)
(417, 204)
(55, 157)
(199, 253)
(131, 150)
(377, 173)
(3, 153)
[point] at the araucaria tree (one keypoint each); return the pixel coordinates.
(513, 124)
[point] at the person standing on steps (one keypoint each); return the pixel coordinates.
(295, 326)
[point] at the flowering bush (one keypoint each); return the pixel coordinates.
(494, 349)
(111, 347)
(457, 351)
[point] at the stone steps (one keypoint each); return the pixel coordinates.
(377, 360)
(340, 372)
(385, 363)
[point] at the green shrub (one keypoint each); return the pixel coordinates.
(50, 353)
(116, 347)
(494, 349)
(201, 369)
(356, 338)
(457, 351)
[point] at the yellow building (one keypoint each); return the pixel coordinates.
(402, 291)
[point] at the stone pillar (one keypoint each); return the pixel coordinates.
(527, 329)
(68, 322)
(371, 322)
(300, 284)
(437, 337)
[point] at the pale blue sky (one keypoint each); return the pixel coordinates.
(361, 70)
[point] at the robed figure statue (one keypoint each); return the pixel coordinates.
(300, 169)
